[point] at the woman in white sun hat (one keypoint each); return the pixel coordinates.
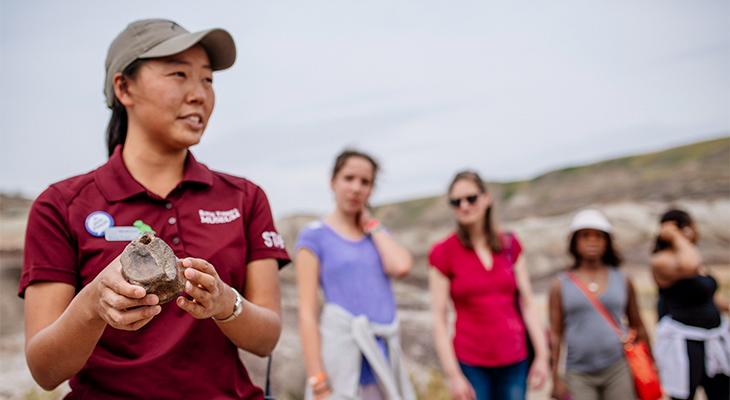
(595, 364)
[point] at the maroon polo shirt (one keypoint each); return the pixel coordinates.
(223, 219)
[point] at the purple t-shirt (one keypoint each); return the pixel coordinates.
(350, 272)
(351, 275)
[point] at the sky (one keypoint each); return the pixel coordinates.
(512, 89)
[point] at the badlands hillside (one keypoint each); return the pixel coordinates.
(633, 191)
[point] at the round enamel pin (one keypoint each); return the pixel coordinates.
(98, 222)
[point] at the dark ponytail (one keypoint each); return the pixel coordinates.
(494, 239)
(116, 130)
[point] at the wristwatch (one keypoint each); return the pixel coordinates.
(237, 308)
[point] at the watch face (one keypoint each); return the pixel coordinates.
(238, 306)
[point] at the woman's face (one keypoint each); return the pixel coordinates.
(468, 203)
(353, 184)
(170, 99)
(590, 244)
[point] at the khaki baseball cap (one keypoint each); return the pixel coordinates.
(153, 38)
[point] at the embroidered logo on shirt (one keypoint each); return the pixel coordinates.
(219, 217)
(273, 239)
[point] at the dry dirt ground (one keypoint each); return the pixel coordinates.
(288, 377)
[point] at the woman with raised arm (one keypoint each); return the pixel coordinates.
(351, 346)
(480, 270)
(692, 346)
(83, 321)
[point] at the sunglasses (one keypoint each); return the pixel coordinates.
(456, 203)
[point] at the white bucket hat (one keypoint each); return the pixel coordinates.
(590, 219)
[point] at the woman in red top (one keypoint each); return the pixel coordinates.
(481, 271)
(83, 321)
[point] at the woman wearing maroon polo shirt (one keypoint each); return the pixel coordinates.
(481, 271)
(84, 322)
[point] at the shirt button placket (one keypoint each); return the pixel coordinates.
(174, 231)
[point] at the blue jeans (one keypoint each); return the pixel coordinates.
(498, 383)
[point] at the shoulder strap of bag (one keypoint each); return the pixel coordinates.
(596, 304)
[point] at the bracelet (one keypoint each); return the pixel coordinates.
(373, 226)
(317, 380)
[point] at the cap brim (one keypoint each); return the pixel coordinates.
(218, 43)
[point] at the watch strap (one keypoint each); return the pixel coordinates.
(237, 308)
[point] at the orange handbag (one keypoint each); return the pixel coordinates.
(638, 357)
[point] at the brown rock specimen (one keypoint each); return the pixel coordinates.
(149, 262)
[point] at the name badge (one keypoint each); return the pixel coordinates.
(97, 222)
(121, 233)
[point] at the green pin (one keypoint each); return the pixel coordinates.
(142, 227)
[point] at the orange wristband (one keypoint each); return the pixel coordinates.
(372, 226)
(317, 379)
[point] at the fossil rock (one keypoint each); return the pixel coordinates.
(149, 262)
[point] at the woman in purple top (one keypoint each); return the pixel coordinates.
(352, 258)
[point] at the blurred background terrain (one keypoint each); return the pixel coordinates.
(633, 191)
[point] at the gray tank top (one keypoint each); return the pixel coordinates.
(592, 343)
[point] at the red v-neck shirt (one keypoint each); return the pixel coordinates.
(223, 219)
(489, 330)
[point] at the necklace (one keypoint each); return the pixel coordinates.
(592, 279)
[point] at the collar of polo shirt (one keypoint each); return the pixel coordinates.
(117, 184)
